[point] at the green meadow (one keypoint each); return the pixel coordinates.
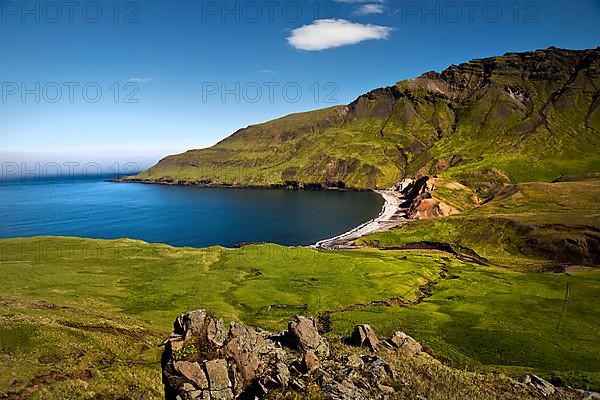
(86, 317)
(513, 315)
(495, 320)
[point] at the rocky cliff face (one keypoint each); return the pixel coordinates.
(539, 108)
(205, 359)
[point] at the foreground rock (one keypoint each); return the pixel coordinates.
(543, 386)
(364, 336)
(401, 340)
(206, 359)
(302, 333)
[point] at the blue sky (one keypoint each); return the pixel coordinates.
(179, 55)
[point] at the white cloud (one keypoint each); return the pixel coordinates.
(368, 9)
(359, 1)
(266, 71)
(328, 33)
(139, 80)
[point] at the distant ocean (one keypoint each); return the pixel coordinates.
(179, 216)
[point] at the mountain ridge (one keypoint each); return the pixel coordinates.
(529, 116)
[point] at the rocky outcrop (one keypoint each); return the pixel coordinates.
(303, 334)
(401, 340)
(364, 336)
(541, 385)
(204, 359)
(430, 208)
(420, 203)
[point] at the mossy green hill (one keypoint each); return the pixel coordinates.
(83, 318)
(518, 117)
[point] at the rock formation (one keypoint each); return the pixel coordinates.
(364, 336)
(243, 362)
(205, 359)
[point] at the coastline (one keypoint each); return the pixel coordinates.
(207, 184)
(392, 215)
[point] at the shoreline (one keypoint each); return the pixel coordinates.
(392, 215)
(273, 186)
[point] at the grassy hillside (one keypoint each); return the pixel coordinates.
(492, 319)
(542, 244)
(526, 226)
(84, 317)
(526, 116)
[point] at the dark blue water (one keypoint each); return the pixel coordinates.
(180, 216)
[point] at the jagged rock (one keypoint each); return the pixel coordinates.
(189, 392)
(247, 363)
(544, 387)
(193, 373)
(378, 367)
(304, 334)
(190, 324)
(243, 348)
(311, 361)
(173, 379)
(364, 336)
(282, 374)
(216, 332)
(401, 340)
(218, 375)
(344, 390)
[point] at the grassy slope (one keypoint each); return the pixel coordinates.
(502, 317)
(533, 224)
(349, 153)
(532, 116)
(492, 319)
(85, 317)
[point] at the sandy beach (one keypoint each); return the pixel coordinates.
(390, 217)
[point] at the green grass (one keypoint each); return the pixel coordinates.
(492, 319)
(84, 317)
(507, 317)
(151, 282)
